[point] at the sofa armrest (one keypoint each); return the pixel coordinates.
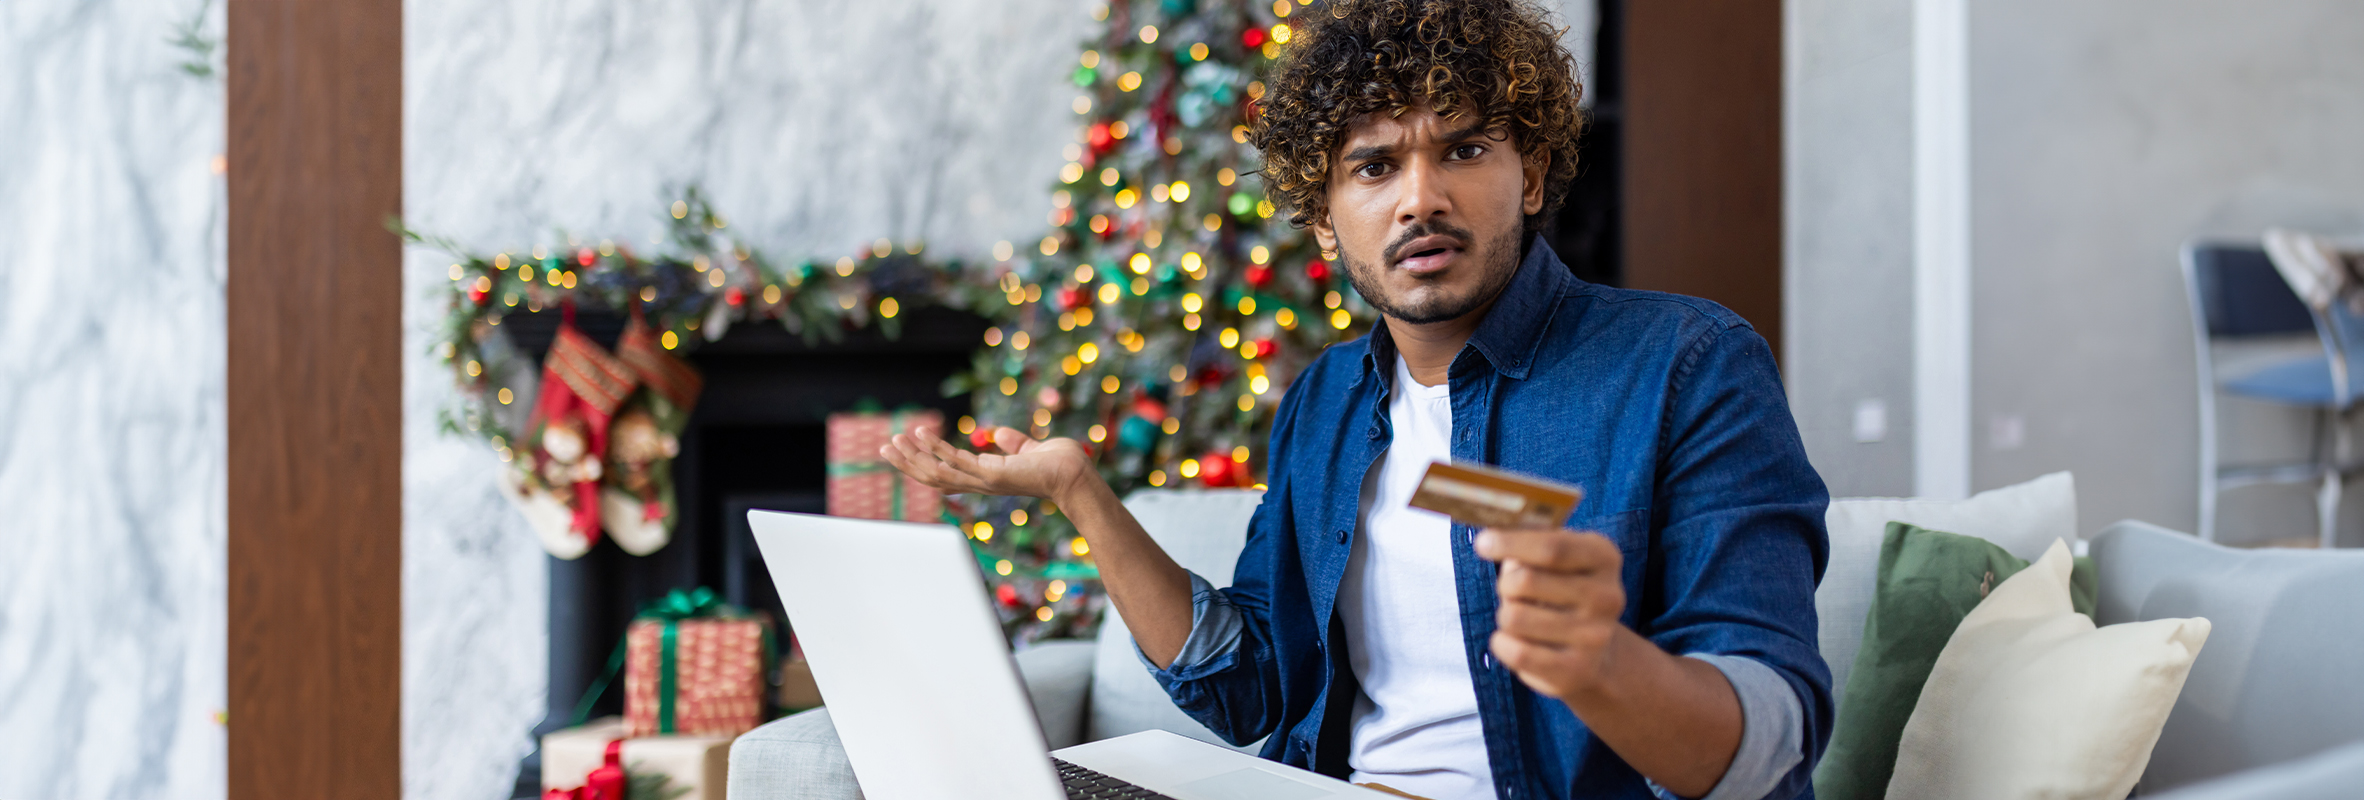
(798, 757)
(1059, 679)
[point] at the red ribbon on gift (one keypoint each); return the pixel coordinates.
(604, 783)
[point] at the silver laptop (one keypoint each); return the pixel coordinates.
(927, 701)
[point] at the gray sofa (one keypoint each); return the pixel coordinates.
(2274, 706)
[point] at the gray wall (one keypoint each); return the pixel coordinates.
(1847, 202)
(2104, 134)
(111, 405)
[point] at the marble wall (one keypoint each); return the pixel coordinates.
(111, 404)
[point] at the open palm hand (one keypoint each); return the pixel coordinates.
(1025, 467)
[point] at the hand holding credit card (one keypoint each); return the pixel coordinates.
(1486, 497)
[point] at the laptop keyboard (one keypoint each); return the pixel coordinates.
(1085, 784)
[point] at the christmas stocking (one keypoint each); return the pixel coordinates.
(637, 506)
(567, 435)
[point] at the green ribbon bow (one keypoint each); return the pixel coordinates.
(671, 609)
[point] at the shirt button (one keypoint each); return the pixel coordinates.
(1374, 431)
(1342, 532)
(1487, 659)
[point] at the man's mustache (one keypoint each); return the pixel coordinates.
(1394, 252)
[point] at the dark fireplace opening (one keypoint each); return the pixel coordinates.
(756, 440)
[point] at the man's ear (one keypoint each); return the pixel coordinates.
(1326, 235)
(1534, 168)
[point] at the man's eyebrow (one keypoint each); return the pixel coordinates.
(1366, 153)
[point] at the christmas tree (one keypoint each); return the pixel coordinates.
(1161, 318)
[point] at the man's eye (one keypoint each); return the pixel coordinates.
(1371, 170)
(1467, 151)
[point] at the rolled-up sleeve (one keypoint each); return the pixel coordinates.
(1214, 635)
(1772, 733)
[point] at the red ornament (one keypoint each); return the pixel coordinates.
(1259, 275)
(1252, 37)
(478, 296)
(585, 256)
(734, 296)
(1210, 376)
(981, 438)
(1007, 594)
(1265, 348)
(1317, 269)
(1072, 298)
(1151, 409)
(1217, 470)
(1100, 137)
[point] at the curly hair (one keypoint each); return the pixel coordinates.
(1497, 59)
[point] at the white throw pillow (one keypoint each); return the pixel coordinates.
(2022, 519)
(2029, 700)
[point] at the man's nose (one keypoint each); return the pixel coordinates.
(1423, 195)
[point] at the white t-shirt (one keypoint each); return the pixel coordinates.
(1415, 724)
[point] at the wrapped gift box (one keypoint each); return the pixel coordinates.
(717, 676)
(863, 485)
(700, 764)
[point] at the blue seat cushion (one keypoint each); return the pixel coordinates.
(2302, 381)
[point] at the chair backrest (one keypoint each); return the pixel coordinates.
(2238, 292)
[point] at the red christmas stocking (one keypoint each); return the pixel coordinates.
(582, 385)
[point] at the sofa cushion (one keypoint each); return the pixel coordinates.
(2029, 699)
(1928, 581)
(1204, 531)
(2330, 775)
(2022, 519)
(2279, 680)
(796, 757)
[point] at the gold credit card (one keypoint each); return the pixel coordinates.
(1491, 498)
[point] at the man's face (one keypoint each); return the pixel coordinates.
(1427, 213)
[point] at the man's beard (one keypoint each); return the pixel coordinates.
(1497, 272)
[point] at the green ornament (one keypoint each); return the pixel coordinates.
(1178, 8)
(1086, 76)
(1241, 204)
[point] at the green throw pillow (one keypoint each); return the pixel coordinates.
(1929, 580)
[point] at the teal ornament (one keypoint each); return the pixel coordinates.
(1178, 8)
(1136, 433)
(1195, 108)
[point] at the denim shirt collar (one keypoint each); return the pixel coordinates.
(1512, 330)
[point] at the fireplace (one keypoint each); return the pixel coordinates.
(755, 440)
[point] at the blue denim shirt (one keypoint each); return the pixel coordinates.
(1668, 410)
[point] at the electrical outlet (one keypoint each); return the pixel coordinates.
(1871, 420)
(2006, 432)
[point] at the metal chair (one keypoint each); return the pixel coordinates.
(2236, 297)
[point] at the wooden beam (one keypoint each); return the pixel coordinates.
(1703, 153)
(315, 399)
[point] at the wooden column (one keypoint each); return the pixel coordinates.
(315, 399)
(1703, 153)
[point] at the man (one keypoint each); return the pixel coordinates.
(1663, 645)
